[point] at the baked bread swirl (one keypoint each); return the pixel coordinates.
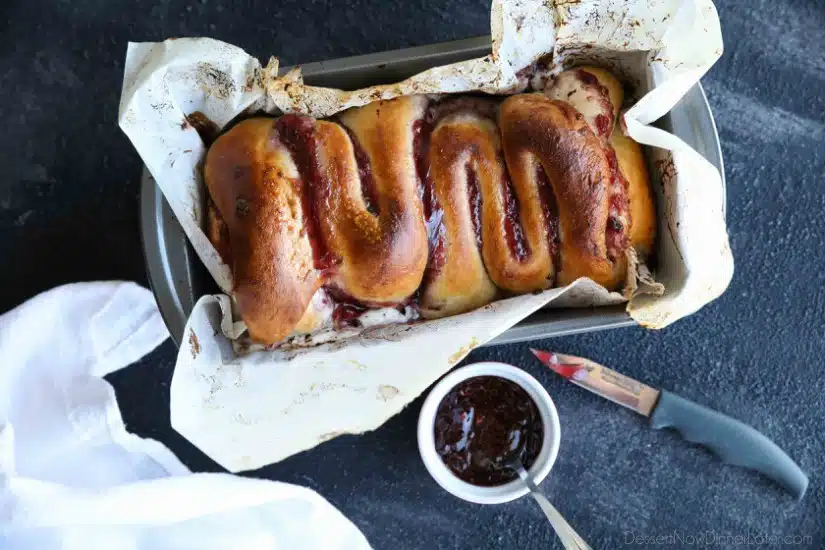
(445, 203)
(260, 200)
(466, 169)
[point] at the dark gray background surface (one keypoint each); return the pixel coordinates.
(69, 211)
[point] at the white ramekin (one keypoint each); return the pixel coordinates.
(501, 493)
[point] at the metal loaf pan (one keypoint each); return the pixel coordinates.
(178, 278)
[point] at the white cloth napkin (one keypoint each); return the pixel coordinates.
(72, 477)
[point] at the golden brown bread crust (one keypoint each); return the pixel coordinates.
(538, 129)
(632, 214)
(257, 191)
(383, 256)
(640, 193)
(518, 197)
(217, 232)
(466, 169)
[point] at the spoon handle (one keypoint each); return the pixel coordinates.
(569, 538)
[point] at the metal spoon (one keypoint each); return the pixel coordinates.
(569, 538)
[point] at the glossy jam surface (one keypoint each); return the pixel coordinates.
(484, 423)
(433, 213)
(364, 173)
(297, 133)
(550, 209)
(475, 202)
(513, 230)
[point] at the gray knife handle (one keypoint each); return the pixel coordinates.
(735, 442)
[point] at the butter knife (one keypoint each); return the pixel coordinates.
(733, 441)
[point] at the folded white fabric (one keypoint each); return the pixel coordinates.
(72, 477)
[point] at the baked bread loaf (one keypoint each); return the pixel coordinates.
(442, 203)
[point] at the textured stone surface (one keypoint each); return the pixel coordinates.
(68, 211)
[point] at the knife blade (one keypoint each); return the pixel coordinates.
(733, 441)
